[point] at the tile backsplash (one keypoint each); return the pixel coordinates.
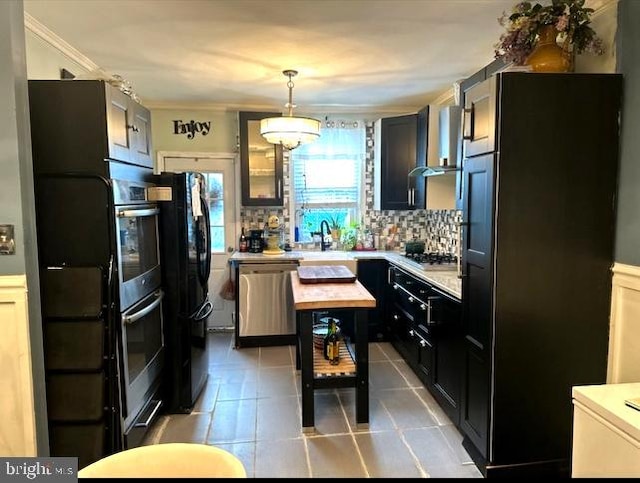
(438, 228)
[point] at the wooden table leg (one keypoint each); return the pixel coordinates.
(306, 360)
(362, 366)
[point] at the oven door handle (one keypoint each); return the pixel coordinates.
(136, 213)
(130, 319)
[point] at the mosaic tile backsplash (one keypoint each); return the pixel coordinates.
(437, 228)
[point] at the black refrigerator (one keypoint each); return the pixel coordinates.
(185, 248)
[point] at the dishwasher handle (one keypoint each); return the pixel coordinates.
(267, 268)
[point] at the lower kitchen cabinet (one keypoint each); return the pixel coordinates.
(372, 274)
(425, 328)
(425, 364)
(400, 325)
(446, 319)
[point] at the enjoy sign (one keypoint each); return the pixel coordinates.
(191, 128)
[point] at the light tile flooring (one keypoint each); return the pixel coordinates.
(251, 407)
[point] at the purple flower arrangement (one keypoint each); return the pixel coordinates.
(570, 18)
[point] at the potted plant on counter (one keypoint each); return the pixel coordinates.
(350, 236)
(335, 226)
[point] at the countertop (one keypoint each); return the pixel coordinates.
(607, 400)
(446, 280)
(329, 295)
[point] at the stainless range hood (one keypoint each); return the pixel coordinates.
(449, 118)
(431, 170)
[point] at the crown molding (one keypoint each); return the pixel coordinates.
(309, 109)
(444, 98)
(198, 106)
(53, 39)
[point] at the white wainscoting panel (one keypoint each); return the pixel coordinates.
(624, 335)
(17, 430)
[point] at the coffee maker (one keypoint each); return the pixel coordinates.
(256, 241)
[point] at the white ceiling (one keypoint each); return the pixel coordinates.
(352, 55)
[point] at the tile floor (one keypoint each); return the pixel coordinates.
(251, 407)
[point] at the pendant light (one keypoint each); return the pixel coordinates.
(290, 131)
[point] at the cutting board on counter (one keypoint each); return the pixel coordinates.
(325, 274)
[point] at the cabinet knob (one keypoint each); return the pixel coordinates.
(395, 286)
(411, 299)
(412, 333)
(423, 307)
(423, 343)
(395, 317)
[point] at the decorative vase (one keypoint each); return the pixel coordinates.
(335, 234)
(547, 55)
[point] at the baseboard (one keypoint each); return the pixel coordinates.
(624, 329)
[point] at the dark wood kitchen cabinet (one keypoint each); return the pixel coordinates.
(400, 145)
(539, 191)
(128, 129)
(478, 118)
(372, 274)
(261, 163)
(426, 329)
(446, 326)
(105, 124)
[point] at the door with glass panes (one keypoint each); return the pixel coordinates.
(219, 174)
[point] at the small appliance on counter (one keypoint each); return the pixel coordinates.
(275, 240)
(256, 241)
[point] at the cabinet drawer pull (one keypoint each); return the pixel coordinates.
(411, 299)
(429, 321)
(423, 307)
(412, 333)
(423, 343)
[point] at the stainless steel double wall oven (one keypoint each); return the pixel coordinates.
(139, 280)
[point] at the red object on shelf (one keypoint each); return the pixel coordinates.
(364, 249)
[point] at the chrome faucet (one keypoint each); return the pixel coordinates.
(324, 245)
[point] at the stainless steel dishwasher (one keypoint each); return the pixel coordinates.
(265, 299)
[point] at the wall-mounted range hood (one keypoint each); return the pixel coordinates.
(432, 170)
(449, 119)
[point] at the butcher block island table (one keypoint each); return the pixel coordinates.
(353, 369)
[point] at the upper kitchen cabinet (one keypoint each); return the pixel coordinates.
(107, 125)
(478, 119)
(400, 146)
(260, 162)
(129, 129)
